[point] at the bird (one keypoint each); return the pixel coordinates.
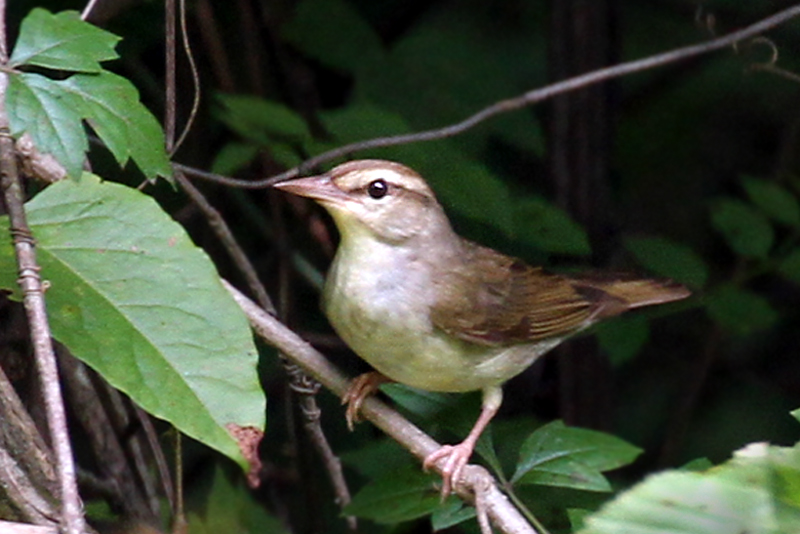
(430, 309)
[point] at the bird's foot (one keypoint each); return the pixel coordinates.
(359, 389)
(456, 457)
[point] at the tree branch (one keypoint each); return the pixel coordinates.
(475, 485)
(526, 99)
(33, 298)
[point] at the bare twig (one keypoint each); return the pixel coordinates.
(72, 519)
(33, 299)
(226, 237)
(532, 97)
(475, 480)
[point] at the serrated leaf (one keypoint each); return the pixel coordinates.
(51, 111)
(623, 337)
(790, 266)
(549, 228)
(40, 106)
(558, 455)
(62, 41)
(746, 230)
(740, 311)
(778, 203)
(747, 494)
(668, 258)
(111, 106)
(136, 300)
(396, 497)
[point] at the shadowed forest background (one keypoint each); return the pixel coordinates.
(689, 171)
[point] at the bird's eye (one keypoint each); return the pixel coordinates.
(377, 188)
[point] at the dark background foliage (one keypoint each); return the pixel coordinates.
(671, 153)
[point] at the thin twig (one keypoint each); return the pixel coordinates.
(170, 83)
(72, 519)
(226, 237)
(187, 48)
(532, 97)
(474, 479)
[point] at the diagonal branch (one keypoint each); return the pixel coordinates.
(476, 484)
(511, 104)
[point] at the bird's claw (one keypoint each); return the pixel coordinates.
(359, 389)
(456, 457)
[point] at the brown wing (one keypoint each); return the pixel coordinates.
(510, 302)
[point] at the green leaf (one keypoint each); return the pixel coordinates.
(233, 157)
(418, 401)
(756, 492)
(63, 42)
(668, 258)
(396, 497)
(623, 337)
(740, 311)
(450, 514)
(778, 203)
(51, 116)
(549, 228)
(746, 230)
(135, 299)
(51, 111)
(790, 266)
(334, 33)
(261, 120)
(230, 507)
(796, 414)
(557, 455)
(111, 106)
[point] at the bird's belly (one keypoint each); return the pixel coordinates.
(394, 334)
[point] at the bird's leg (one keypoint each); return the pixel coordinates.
(457, 456)
(359, 389)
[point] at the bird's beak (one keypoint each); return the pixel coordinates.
(320, 188)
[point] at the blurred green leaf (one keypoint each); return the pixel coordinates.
(577, 517)
(401, 495)
(549, 228)
(746, 230)
(796, 414)
(261, 120)
(232, 157)
(62, 41)
(778, 203)
(623, 337)
(136, 300)
(790, 266)
(378, 458)
(230, 507)
(740, 311)
(418, 401)
(451, 513)
(557, 455)
(668, 258)
(756, 492)
(334, 33)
